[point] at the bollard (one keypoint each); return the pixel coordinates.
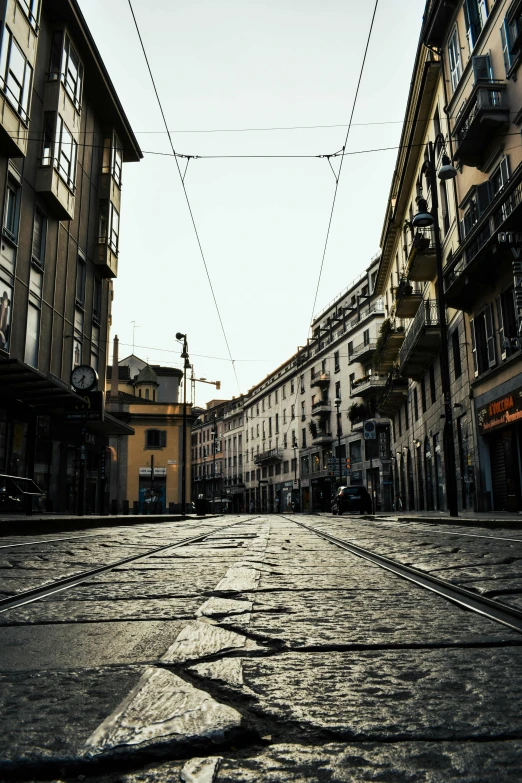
(114, 506)
(125, 507)
(136, 507)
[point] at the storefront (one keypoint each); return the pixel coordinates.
(499, 423)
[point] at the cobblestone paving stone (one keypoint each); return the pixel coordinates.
(311, 663)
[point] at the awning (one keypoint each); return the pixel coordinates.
(46, 393)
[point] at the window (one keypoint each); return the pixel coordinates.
(77, 351)
(32, 335)
(366, 337)
(483, 341)
(423, 395)
(482, 70)
(506, 41)
(292, 387)
(12, 209)
(16, 75)
(474, 14)
(97, 299)
(109, 226)
(66, 65)
(155, 439)
(59, 148)
(303, 438)
(455, 349)
(433, 391)
(507, 323)
(113, 158)
(455, 62)
(269, 400)
(355, 451)
(32, 11)
(303, 411)
(444, 206)
(284, 392)
(293, 411)
(39, 235)
(416, 404)
(277, 423)
(269, 426)
(80, 281)
(337, 366)
(302, 384)
(500, 177)
(285, 440)
(338, 390)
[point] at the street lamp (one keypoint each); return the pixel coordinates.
(424, 219)
(337, 403)
(186, 366)
(214, 442)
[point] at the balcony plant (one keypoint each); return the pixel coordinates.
(312, 426)
(357, 412)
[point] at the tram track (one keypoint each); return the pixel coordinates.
(428, 527)
(467, 599)
(66, 583)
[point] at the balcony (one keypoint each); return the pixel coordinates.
(322, 439)
(421, 342)
(484, 115)
(477, 268)
(362, 351)
(106, 259)
(52, 188)
(269, 457)
(422, 262)
(407, 299)
(321, 380)
(388, 345)
(368, 386)
(393, 395)
(322, 408)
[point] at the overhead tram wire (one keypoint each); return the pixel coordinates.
(185, 192)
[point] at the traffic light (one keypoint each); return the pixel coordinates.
(348, 463)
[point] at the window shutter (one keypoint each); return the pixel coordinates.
(474, 347)
(505, 37)
(504, 168)
(163, 438)
(483, 194)
(490, 336)
(481, 68)
(501, 335)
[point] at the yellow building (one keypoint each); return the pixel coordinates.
(146, 468)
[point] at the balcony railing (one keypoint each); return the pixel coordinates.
(393, 395)
(484, 113)
(320, 380)
(368, 384)
(322, 438)
(421, 339)
(361, 351)
(321, 408)
(269, 456)
(472, 273)
(421, 266)
(407, 299)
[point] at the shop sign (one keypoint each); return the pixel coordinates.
(172, 462)
(383, 449)
(304, 483)
(288, 484)
(500, 412)
(157, 472)
(356, 475)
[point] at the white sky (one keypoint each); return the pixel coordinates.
(249, 64)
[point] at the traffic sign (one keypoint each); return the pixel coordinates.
(370, 430)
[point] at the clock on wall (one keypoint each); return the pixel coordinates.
(84, 378)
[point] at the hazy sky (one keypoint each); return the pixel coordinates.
(222, 64)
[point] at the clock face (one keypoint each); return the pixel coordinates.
(84, 378)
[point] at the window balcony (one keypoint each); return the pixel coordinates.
(321, 380)
(268, 457)
(322, 439)
(322, 408)
(393, 395)
(407, 299)
(58, 196)
(362, 352)
(421, 341)
(106, 259)
(422, 262)
(388, 345)
(368, 386)
(484, 115)
(479, 264)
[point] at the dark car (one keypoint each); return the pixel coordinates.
(350, 499)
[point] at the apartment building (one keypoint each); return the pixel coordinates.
(311, 410)
(64, 138)
(481, 45)
(146, 467)
(207, 452)
(233, 434)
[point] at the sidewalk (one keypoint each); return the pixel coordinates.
(496, 519)
(21, 525)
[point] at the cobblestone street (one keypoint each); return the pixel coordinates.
(259, 652)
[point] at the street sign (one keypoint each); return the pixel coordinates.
(296, 484)
(347, 472)
(370, 430)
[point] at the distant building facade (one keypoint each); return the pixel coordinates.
(207, 452)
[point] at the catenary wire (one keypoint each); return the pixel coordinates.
(186, 194)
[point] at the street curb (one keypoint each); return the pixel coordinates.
(30, 526)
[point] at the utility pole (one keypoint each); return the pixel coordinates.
(186, 366)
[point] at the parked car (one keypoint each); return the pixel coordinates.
(351, 499)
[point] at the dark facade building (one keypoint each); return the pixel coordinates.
(63, 140)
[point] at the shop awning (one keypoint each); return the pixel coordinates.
(46, 393)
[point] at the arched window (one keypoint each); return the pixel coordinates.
(139, 392)
(146, 394)
(154, 395)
